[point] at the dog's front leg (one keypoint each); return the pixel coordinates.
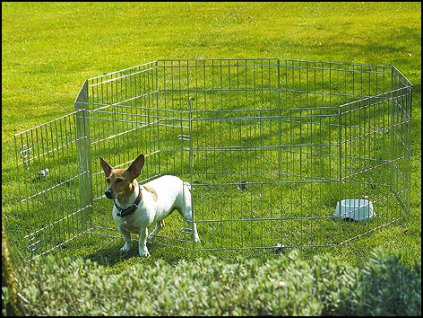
(127, 236)
(142, 244)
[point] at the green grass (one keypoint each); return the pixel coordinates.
(49, 49)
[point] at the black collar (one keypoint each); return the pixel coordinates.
(131, 209)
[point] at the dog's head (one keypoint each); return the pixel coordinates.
(121, 182)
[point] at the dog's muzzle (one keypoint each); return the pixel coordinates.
(108, 193)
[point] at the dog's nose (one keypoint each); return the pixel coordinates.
(108, 193)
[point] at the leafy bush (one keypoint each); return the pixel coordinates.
(288, 285)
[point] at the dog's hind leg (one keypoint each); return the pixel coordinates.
(184, 207)
(195, 236)
(187, 215)
(159, 226)
(186, 212)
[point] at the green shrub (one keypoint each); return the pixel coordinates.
(288, 285)
(387, 287)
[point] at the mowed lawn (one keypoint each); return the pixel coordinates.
(49, 49)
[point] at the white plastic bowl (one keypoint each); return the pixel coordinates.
(354, 209)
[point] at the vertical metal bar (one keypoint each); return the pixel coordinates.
(340, 143)
(84, 155)
(279, 121)
(191, 165)
(409, 148)
(56, 147)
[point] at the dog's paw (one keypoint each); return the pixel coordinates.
(195, 237)
(125, 249)
(144, 252)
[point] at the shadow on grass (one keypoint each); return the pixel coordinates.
(109, 254)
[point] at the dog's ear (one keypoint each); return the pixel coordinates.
(106, 167)
(134, 169)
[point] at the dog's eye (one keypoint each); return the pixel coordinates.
(119, 180)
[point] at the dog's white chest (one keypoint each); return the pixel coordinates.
(134, 222)
(126, 224)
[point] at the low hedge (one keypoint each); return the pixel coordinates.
(287, 285)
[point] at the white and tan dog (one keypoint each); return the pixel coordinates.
(137, 206)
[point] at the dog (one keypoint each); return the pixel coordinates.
(137, 207)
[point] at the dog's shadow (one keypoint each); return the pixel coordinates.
(111, 255)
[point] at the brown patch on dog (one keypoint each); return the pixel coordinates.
(151, 190)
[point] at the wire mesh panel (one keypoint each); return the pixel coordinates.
(48, 211)
(126, 118)
(269, 148)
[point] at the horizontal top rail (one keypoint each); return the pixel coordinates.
(47, 123)
(122, 70)
(289, 63)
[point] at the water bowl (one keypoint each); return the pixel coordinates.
(354, 209)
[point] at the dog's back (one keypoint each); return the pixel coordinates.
(171, 193)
